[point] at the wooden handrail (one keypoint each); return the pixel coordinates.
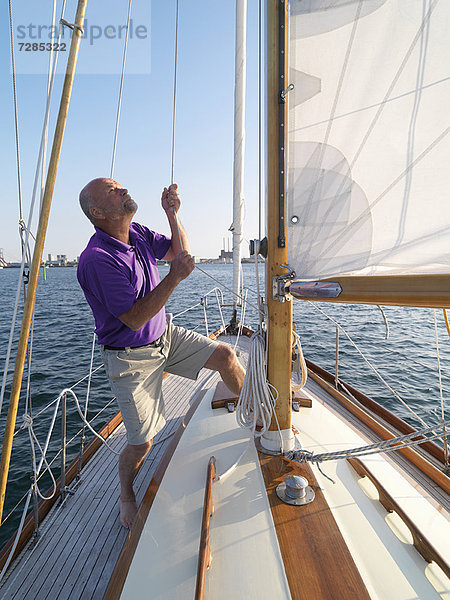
(204, 553)
(421, 543)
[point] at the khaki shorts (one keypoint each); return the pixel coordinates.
(135, 375)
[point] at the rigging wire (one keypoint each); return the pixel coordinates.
(25, 228)
(440, 387)
(50, 64)
(396, 443)
(86, 404)
(239, 296)
(28, 397)
(367, 361)
(119, 101)
(16, 112)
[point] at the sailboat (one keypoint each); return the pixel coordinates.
(336, 498)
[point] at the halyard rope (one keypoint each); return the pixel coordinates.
(239, 296)
(174, 97)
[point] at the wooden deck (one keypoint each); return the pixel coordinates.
(80, 542)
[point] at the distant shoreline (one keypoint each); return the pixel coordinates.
(203, 261)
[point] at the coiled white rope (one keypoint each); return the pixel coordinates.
(258, 398)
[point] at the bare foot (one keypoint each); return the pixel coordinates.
(128, 512)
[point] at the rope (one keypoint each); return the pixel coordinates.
(403, 441)
(204, 303)
(174, 99)
(187, 310)
(16, 540)
(219, 303)
(241, 320)
(228, 289)
(50, 404)
(213, 278)
(257, 400)
(299, 367)
(386, 324)
(261, 320)
(83, 436)
(19, 185)
(85, 421)
(107, 405)
(119, 101)
(173, 160)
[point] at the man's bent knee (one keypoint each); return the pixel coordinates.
(223, 357)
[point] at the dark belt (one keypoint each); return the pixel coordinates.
(118, 348)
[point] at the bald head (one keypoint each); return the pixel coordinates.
(104, 198)
(92, 195)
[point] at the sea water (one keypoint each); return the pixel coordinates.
(63, 333)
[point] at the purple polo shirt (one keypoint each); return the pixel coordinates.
(114, 275)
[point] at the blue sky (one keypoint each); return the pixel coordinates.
(204, 134)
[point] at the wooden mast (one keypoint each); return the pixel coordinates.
(38, 249)
(279, 361)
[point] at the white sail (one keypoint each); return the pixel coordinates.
(368, 174)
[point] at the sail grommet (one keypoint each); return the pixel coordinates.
(295, 490)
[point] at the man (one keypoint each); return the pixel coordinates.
(120, 280)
